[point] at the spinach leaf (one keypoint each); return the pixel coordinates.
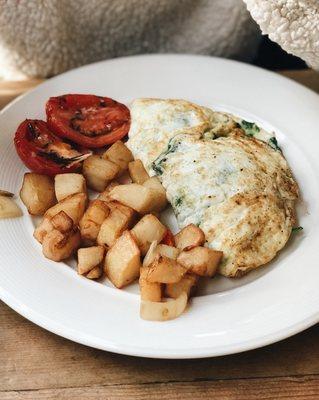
(178, 201)
(250, 128)
(159, 164)
(157, 169)
(297, 229)
(274, 144)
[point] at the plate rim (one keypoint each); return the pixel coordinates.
(136, 351)
(157, 55)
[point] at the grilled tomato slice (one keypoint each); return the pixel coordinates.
(44, 152)
(91, 121)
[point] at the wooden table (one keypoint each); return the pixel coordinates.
(36, 364)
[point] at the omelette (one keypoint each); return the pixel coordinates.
(224, 174)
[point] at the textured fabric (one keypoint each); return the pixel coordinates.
(293, 24)
(41, 38)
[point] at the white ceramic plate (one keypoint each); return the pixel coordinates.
(229, 316)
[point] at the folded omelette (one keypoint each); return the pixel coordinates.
(221, 173)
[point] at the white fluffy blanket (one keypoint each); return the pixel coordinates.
(294, 24)
(41, 38)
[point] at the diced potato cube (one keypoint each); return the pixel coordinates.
(151, 291)
(122, 261)
(73, 206)
(98, 172)
(105, 195)
(201, 261)
(159, 249)
(128, 211)
(89, 258)
(167, 251)
(62, 222)
(95, 273)
(67, 184)
(37, 193)
(161, 201)
(137, 172)
(186, 284)
(8, 208)
(190, 236)
(114, 225)
(138, 197)
(43, 229)
(148, 229)
(150, 255)
(165, 270)
(5, 193)
(163, 311)
(119, 154)
(92, 220)
(124, 178)
(58, 246)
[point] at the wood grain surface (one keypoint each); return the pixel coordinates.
(36, 364)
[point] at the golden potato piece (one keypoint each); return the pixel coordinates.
(138, 197)
(147, 230)
(8, 208)
(68, 184)
(122, 262)
(190, 236)
(119, 154)
(201, 261)
(186, 284)
(58, 246)
(119, 219)
(165, 270)
(163, 311)
(62, 222)
(161, 201)
(128, 211)
(98, 172)
(151, 291)
(89, 258)
(43, 229)
(5, 193)
(73, 206)
(105, 195)
(92, 220)
(137, 172)
(150, 255)
(167, 251)
(95, 273)
(162, 250)
(37, 193)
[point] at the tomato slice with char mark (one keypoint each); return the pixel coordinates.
(45, 153)
(89, 120)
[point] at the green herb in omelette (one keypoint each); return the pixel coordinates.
(297, 229)
(250, 128)
(158, 164)
(157, 169)
(178, 201)
(274, 144)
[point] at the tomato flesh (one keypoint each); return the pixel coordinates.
(91, 121)
(45, 153)
(168, 238)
